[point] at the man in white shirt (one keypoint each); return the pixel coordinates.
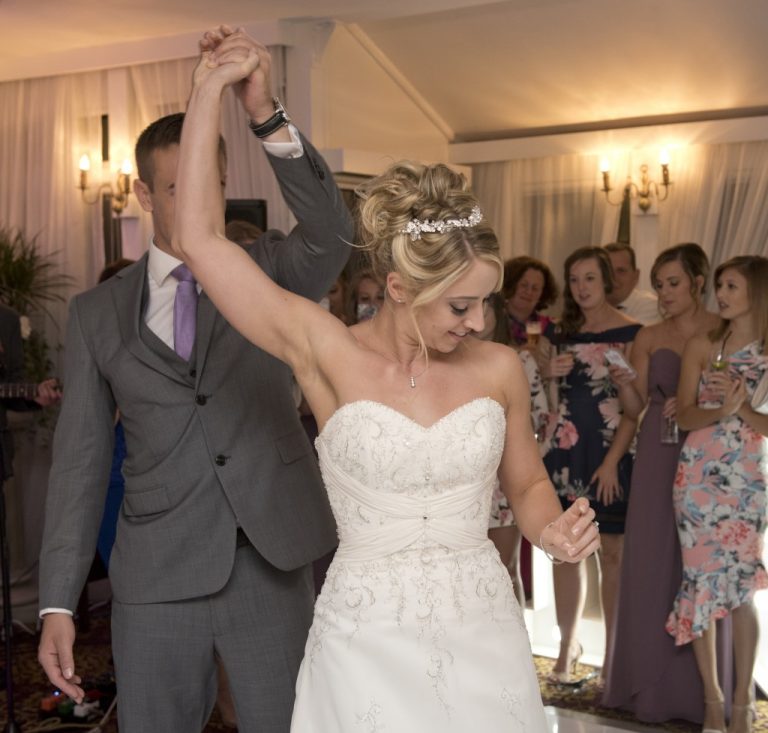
(224, 508)
(638, 304)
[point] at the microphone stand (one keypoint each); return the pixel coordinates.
(11, 725)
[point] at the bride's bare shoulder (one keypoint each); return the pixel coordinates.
(492, 354)
(499, 367)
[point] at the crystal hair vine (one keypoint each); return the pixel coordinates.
(415, 227)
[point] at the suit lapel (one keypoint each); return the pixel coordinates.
(129, 296)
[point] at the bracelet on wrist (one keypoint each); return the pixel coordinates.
(554, 560)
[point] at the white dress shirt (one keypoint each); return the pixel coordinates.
(642, 306)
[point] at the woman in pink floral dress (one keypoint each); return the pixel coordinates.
(589, 441)
(720, 488)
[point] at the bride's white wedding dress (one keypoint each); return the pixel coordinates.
(417, 629)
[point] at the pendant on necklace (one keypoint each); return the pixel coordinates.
(413, 382)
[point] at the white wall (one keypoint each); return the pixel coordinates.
(361, 105)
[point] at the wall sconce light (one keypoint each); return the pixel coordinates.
(645, 190)
(118, 195)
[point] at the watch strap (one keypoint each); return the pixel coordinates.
(274, 123)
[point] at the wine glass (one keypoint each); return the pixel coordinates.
(719, 362)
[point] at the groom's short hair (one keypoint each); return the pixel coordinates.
(162, 134)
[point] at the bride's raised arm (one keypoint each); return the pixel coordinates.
(274, 319)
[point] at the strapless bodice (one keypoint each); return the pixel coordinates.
(394, 484)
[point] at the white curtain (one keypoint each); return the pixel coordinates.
(44, 127)
(544, 207)
(47, 124)
(719, 199)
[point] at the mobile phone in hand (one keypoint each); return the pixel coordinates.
(612, 356)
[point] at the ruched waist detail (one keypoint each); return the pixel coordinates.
(441, 519)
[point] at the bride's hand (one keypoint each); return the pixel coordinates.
(573, 535)
(226, 57)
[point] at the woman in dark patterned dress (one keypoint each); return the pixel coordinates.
(590, 439)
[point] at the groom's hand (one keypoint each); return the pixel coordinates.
(255, 91)
(55, 654)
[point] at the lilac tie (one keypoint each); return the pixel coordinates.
(184, 312)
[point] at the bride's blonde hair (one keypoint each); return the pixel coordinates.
(410, 194)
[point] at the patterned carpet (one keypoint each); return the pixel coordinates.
(93, 658)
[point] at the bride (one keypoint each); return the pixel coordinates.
(417, 627)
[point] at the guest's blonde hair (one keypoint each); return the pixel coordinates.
(411, 193)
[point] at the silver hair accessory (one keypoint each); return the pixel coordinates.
(415, 227)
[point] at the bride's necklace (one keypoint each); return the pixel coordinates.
(411, 377)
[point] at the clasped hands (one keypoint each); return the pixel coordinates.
(573, 536)
(231, 57)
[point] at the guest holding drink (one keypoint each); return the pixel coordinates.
(502, 530)
(589, 452)
(720, 487)
(529, 287)
(647, 674)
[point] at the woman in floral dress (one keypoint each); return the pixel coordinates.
(719, 492)
(589, 451)
(502, 529)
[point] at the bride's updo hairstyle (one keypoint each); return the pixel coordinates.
(397, 204)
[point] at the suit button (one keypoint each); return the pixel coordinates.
(193, 373)
(201, 399)
(220, 460)
(319, 170)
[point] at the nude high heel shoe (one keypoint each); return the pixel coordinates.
(742, 715)
(721, 705)
(568, 678)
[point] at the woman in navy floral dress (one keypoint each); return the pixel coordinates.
(589, 438)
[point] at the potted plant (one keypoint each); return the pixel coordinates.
(29, 282)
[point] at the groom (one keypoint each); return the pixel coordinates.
(224, 507)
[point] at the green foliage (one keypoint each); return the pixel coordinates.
(28, 280)
(37, 363)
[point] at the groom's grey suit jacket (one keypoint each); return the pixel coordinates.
(212, 444)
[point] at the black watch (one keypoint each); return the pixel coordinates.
(274, 123)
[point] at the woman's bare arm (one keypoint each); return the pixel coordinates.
(274, 319)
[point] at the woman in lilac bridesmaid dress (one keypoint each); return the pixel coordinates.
(646, 673)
